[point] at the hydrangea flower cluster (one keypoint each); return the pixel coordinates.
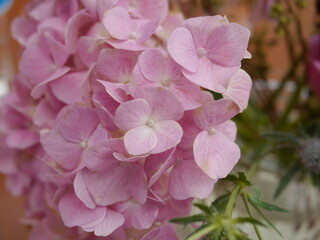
(108, 130)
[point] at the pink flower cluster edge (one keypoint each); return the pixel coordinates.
(109, 129)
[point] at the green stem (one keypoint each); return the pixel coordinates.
(232, 200)
(245, 201)
(237, 189)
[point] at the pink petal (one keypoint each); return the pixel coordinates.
(118, 91)
(97, 154)
(210, 75)
(70, 87)
(239, 89)
(129, 44)
(140, 140)
(118, 182)
(35, 65)
(104, 5)
(152, 65)
(86, 54)
(116, 65)
(214, 113)
(22, 28)
(77, 123)
(145, 29)
(188, 93)
(91, 6)
(188, 180)
(82, 191)
(138, 216)
(66, 154)
(227, 44)
(182, 49)
(229, 129)
(109, 186)
(22, 139)
(215, 154)
(166, 231)
(118, 23)
(45, 113)
(169, 134)
(164, 105)
(153, 9)
(42, 11)
(190, 130)
(156, 164)
(58, 51)
(201, 28)
(41, 88)
(108, 225)
(74, 27)
(74, 213)
(132, 114)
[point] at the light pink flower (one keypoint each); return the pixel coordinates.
(150, 121)
(127, 33)
(214, 151)
(100, 220)
(166, 73)
(73, 135)
(209, 49)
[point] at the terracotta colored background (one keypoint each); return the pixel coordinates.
(10, 207)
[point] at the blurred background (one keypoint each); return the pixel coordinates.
(274, 36)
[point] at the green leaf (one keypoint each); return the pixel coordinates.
(220, 203)
(241, 179)
(231, 178)
(201, 231)
(284, 181)
(248, 220)
(267, 220)
(267, 206)
(203, 208)
(281, 136)
(190, 219)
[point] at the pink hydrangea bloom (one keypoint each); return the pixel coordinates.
(107, 124)
(209, 49)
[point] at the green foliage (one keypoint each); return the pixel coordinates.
(285, 180)
(216, 219)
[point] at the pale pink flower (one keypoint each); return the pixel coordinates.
(150, 121)
(166, 73)
(100, 220)
(214, 150)
(127, 33)
(209, 49)
(71, 138)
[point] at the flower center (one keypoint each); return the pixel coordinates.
(133, 36)
(150, 123)
(211, 131)
(165, 81)
(201, 52)
(83, 144)
(125, 79)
